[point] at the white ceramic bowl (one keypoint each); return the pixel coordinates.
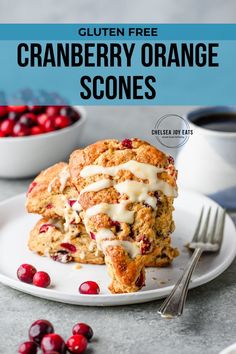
(229, 350)
(26, 156)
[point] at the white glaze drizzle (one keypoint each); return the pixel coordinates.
(106, 238)
(97, 186)
(137, 192)
(63, 176)
(117, 212)
(139, 169)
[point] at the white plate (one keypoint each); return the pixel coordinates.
(15, 225)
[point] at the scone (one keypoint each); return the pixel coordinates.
(48, 238)
(126, 191)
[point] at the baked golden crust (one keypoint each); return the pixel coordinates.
(48, 238)
(150, 225)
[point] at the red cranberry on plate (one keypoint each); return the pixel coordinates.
(126, 144)
(53, 342)
(89, 288)
(2, 135)
(77, 344)
(84, 329)
(41, 279)
(28, 348)
(6, 126)
(26, 272)
(39, 329)
(20, 130)
(62, 122)
(37, 130)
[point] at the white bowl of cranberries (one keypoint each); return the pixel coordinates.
(35, 137)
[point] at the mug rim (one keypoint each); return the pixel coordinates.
(197, 112)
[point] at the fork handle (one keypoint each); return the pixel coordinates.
(173, 305)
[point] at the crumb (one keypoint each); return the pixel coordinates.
(153, 278)
(78, 266)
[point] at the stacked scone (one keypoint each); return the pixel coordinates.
(113, 203)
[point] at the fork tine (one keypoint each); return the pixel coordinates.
(203, 234)
(195, 236)
(213, 233)
(220, 230)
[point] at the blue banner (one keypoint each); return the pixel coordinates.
(121, 64)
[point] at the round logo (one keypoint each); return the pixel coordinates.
(172, 131)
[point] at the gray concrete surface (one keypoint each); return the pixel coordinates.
(208, 324)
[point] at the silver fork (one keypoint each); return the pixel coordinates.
(207, 238)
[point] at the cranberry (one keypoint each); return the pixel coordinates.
(68, 246)
(70, 112)
(3, 111)
(126, 144)
(49, 125)
(84, 329)
(89, 288)
(45, 227)
(49, 206)
(42, 118)
(145, 244)
(71, 202)
(41, 279)
(116, 224)
(93, 236)
(53, 342)
(17, 109)
(28, 348)
(7, 126)
(62, 257)
(35, 109)
(140, 281)
(31, 187)
(39, 329)
(77, 344)
(20, 130)
(37, 130)
(2, 135)
(26, 273)
(171, 160)
(62, 122)
(28, 119)
(13, 116)
(52, 111)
